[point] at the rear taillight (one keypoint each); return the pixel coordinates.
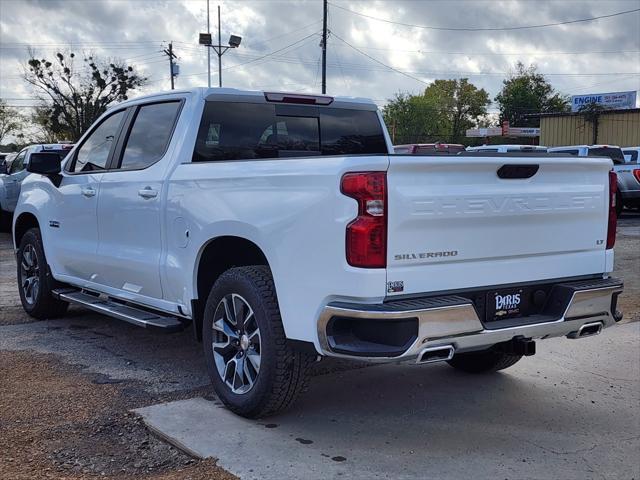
(636, 173)
(613, 218)
(366, 239)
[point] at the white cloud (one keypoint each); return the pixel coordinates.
(138, 30)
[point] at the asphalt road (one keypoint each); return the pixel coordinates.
(570, 412)
(542, 388)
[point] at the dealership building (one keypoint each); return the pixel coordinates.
(617, 122)
(612, 127)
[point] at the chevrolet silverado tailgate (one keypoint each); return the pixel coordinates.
(468, 221)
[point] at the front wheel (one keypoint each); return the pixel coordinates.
(486, 361)
(35, 284)
(254, 371)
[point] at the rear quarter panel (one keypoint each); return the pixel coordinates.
(293, 210)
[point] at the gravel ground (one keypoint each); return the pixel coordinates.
(67, 385)
(56, 422)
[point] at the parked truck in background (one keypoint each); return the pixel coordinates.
(628, 175)
(11, 181)
(282, 229)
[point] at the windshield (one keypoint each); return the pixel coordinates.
(60, 153)
(614, 154)
(633, 154)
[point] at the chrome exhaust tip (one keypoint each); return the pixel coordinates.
(587, 330)
(436, 354)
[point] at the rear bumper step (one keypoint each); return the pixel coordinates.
(108, 306)
(409, 330)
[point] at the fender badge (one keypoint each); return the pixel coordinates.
(54, 224)
(395, 287)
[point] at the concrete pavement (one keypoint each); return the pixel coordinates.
(571, 412)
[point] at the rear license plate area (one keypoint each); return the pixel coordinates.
(507, 303)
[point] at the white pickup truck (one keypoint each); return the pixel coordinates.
(282, 229)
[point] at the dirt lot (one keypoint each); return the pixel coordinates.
(67, 385)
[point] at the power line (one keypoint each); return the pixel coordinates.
(483, 29)
(545, 54)
(459, 73)
(378, 61)
(272, 53)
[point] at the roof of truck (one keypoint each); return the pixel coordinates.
(583, 146)
(235, 94)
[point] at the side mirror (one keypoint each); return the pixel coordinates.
(3, 169)
(44, 163)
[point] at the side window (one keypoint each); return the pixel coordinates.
(18, 163)
(94, 152)
(149, 137)
(569, 152)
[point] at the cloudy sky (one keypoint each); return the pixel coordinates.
(375, 49)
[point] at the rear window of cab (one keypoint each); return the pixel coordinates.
(247, 131)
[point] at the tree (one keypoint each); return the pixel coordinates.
(44, 131)
(73, 98)
(11, 121)
(409, 118)
(527, 92)
(461, 105)
(445, 110)
(591, 113)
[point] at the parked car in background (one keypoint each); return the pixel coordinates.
(429, 149)
(282, 229)
(631, 154)
(628, 194)
(10, 183)
(508, 149)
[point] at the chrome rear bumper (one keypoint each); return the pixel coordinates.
(453, 320)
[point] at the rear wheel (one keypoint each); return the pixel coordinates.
(35, 283)
(254, 371)
(485, 361)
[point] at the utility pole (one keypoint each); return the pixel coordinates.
(208, 49)
(324, 47)
(219, 51)
(171, 55)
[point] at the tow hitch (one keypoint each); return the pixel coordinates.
(517, 346)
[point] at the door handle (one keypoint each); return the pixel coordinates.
(88, 192)
(148, 192)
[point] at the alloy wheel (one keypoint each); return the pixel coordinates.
(29, 274)
(236, 343)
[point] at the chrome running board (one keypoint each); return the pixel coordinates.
(108, 306)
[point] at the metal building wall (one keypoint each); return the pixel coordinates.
(621, 129)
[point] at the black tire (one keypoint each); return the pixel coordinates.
(619, 204)
(282, 373)
(486, 361)
(37, 300)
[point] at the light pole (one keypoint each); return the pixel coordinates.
(206, 40)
